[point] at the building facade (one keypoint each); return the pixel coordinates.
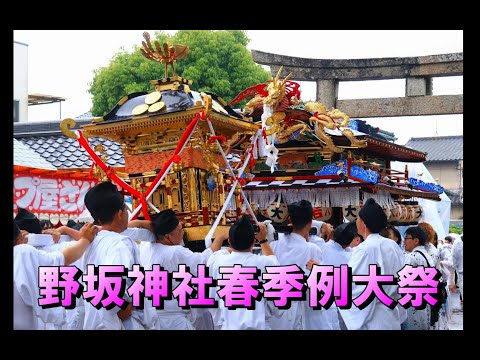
(445, 163)
(20, 82)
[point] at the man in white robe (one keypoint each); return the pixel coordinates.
(457, 255)
(168, 252)
(324, 233)
(74, 317)
(334, 253)
(106, 205)
(26, 262)
(417, 255)
(386, 254)
(295, 249)
(241, 237)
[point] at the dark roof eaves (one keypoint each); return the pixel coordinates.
(39, 133)
(442, 160)
(436, 137)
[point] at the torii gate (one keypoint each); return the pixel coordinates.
(418, 72)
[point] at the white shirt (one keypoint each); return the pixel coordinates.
(457, 254)
(173, 317)
(335, 255)
(317, 240)
(26, 260)
(74, 317)
(418, 319)
(434, 254)
(241, 318)
(376, 316)
(290, 250)
(111, 248)
(140, 234)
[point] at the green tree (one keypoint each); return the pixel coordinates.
(218, 62)
(455, 229)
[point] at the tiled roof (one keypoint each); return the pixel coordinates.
(24, 156)
(439, 148)
(23, 129)
(87, 115)
(47, 140)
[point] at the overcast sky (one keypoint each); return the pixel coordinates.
(61, 63)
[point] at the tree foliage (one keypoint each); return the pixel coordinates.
(455, 229)
(218, 62)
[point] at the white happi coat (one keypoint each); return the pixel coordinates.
(111, 248)
(141, 234)
(335, 255)
(173, 317)
(74, 317)
(293, 249)
(27, 312)
(241, 318)
(317, 240)
(376, 316)
(418, 319)
(457, 255)
(434, 254)
(145, 237)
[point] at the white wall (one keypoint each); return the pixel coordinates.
(20, 78)
(436, 213)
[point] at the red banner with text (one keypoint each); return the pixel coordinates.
(50, 195)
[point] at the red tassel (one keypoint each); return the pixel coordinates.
(220, 138)
(264, 134)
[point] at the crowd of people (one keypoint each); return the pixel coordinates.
(113, 240)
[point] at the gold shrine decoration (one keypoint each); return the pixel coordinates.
(153, 97)
(140, 109)
(276, 89)
(68, 124)
(207, 101)
(191, 157)
(97, 170)
(324, 119)
(156, 107)
(118, 131)
(168, 55)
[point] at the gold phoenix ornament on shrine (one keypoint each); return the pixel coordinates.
(168, 55)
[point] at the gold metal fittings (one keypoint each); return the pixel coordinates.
(153, 97)
(140, 109)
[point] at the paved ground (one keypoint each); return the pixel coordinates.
(456, 322)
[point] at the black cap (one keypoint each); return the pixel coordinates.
(345, 233)
(241, 234)
(28, 221)
(103, 201)
(373, 216)
(301, 213)
(165, 222)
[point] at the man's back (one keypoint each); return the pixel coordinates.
(108, 248)
(386, 254)
(242, 318)
(26, 262)
(169, 257)
(293, 249)
(457, 255)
